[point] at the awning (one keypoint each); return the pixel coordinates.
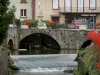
(55, 15)
(88, 14)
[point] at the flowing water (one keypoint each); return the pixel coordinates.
(53, 64)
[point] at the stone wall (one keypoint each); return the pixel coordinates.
(3, 61)
(66, 38)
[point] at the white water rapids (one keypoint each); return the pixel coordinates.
(42, 63)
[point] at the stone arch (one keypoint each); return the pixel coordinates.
(10, 45)
(45, 40)
(24, 33)
(50, 32)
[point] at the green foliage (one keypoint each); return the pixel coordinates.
(6, 17)
(77, 73)
(89, 58)
(60, 25)
(10, 66)
(47, 22)
(4, 7)
(81, 53)
(34, 23)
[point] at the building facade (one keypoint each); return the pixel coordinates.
(84, 13)
(23, 9)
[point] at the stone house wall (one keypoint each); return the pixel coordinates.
(3, 61)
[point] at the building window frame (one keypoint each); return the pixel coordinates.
(23, 13)
(23, 1)
(91, 6)
(78, 7)
(55, 6)
(55, 19)
(66, 6)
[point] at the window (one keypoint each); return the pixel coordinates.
(92, 4)
(67, 5)
(55, 4)
(23, 13)
(55, 19)
(23, 1)
(80, 5)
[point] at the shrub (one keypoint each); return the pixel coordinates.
(6, 17)
(60, 26)
(27, 22)
(30, 23)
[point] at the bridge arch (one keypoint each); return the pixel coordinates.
(26, 32)
(11, 45)
(41, 42)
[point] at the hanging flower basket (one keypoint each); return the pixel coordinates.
(73, 23)
(98, 23)
(51, 23)
(28, 23)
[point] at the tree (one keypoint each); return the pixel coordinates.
(6, 17)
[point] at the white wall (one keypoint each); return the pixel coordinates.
(19, 6)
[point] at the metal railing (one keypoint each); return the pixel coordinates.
(79, 10)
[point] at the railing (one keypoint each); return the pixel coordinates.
(58, 26)
(79, 10)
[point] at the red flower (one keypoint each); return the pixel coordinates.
(98, 65)
(73, 23)
(95, 37)
(51, 23)
(27, 22)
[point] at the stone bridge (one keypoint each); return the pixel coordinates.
(66, 38)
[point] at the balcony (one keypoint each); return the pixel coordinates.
(79, 10)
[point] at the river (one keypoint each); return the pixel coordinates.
(52, 64)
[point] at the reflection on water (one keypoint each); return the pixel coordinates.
(53, 64)
(37, 52)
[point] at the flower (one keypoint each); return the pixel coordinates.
(73, 23)
(51, 23)
(27, 22)
(98, 65)
(98, 23)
